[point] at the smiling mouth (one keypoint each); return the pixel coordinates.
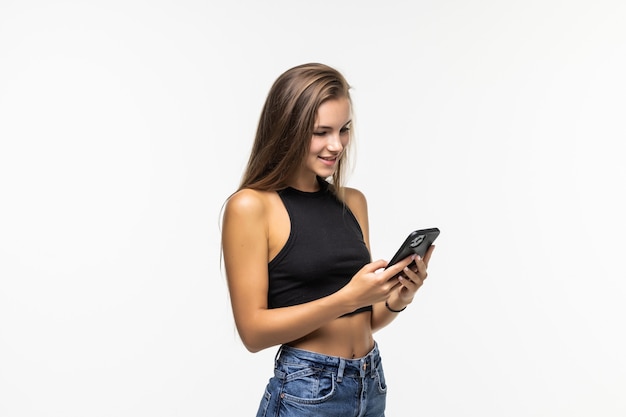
(328, 158)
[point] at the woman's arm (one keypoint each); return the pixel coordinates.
(410, 280)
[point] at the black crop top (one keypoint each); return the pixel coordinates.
(324, 250)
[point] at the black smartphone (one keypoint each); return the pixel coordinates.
(418, 242)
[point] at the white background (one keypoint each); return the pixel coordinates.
(124, 126)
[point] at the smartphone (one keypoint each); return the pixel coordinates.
(418, 242)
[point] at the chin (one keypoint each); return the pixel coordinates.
(325, 173)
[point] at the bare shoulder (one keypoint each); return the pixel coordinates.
(245, 211)
(244, 225)
(246, 202)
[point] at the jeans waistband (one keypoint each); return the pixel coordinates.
(361, 367)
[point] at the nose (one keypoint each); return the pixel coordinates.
(334, 142)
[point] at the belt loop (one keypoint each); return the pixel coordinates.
(342, 366)
(280, 349)
(369, 360)
(373, 369)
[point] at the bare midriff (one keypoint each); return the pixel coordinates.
(347, 337)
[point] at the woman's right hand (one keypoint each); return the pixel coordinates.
(373, 284)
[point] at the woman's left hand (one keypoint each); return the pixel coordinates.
(411, 279)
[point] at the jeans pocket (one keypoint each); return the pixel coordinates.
(379, 376)
(308, 386)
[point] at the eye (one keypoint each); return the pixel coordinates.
(319, 133)
(345, 129)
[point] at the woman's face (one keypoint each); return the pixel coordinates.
(331, 135)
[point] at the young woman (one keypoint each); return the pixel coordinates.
(296, 253)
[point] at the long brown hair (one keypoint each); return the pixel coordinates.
(286, 126)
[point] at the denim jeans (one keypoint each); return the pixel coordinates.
(310, 384)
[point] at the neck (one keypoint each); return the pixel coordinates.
(308, 185)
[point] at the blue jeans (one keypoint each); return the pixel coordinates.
(310, 384)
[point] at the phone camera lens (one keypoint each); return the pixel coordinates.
(417, 241)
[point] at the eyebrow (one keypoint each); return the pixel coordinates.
(330, 127)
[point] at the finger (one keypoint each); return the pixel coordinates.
(394, 284)
(374, 266)
(421, 268)
(410, 272)
(411, 284)
(412, 266)
(394, 270)
(428, 253)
